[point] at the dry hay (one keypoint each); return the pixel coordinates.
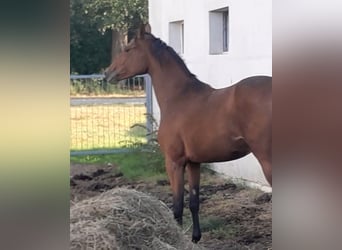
(125, 219)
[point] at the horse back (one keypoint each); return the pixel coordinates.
(256, 86)
(253, 103)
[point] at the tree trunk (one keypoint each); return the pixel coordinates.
(118, 42)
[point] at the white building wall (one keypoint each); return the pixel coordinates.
(249, 53)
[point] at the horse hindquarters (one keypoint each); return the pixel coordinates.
(255, 118)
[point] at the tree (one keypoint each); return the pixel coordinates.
(90, 48)
(95, 22)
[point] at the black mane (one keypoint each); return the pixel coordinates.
(158, 47)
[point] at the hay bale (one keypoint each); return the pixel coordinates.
(125, 219)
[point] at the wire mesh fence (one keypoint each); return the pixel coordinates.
(104, 117)
(94, 85)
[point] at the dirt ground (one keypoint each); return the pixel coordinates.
(232, 216)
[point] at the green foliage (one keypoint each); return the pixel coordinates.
(90, 48)
(150, 157)
(88, 87)
(137, 130)
(151, 132)
(94, 87)
(91, 25)
(122, 15)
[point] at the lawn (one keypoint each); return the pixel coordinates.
(133, 165)
(106, 126)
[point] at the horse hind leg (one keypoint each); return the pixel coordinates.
(263, 152)
(266, 165)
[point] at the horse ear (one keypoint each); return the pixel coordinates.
(141, 31)
(148, 28)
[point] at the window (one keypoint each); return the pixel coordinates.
(176, 36)
(219, 31)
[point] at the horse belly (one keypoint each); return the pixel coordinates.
(217, 150)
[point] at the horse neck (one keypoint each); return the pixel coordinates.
(169, 81)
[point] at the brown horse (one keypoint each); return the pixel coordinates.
(199, 123)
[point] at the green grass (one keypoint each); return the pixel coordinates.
(217, 226)
(133, 165)
(117, 126)
(224, 232)
(106, 126)
(211, 223)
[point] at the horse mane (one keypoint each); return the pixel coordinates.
(158, 47)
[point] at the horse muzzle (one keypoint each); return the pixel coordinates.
(109, 75)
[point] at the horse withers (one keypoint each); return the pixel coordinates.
(198, 123)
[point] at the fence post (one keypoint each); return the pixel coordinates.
(149, 105)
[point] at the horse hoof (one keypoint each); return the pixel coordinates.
(196, 239)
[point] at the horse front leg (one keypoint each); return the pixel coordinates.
(193, 170)
(175, 171)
